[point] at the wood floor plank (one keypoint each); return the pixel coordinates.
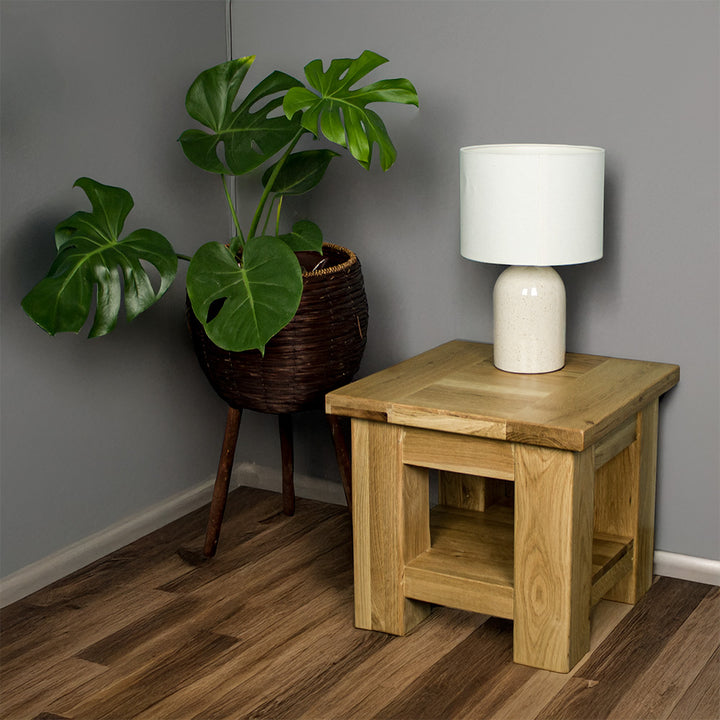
(210, 609)
(702, 699)
(441, 691)
(627, 652)
(251, 544)
(103, 590)
(321, 551)
(76, 612)
(295, 589)
(223, 693)
(364, 691)
(543, 685)
(228, 605)
(304, 666)
(116, 645)
(61, 634)
(128, 696)
(655, 692)
(41, 684)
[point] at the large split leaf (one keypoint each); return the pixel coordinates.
(90, 254)
(250, 133)
(340, 113)
(259, 297)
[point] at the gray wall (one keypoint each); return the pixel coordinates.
(94, 430)
(638, 78)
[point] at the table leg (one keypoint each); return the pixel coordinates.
(553, 556)
(391, 526)
(625, 503)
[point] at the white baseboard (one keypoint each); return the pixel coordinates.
(39, 574)
(686, 567)
(267, 478)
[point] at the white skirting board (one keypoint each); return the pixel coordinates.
(75, 556)
(686, 567)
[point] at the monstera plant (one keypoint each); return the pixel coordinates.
(245, 290)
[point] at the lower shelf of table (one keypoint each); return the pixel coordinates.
(470, 563)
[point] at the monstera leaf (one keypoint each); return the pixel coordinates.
(340, 113)
(259, 295)
(91, 254)
(300, 172)
(305, 236)
(250, 133)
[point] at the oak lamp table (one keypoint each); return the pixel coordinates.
(546, 492)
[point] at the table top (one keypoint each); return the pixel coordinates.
(456, 388)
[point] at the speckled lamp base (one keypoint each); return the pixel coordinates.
(529, 311)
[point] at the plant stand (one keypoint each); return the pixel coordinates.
(318, 351)
(227, 455)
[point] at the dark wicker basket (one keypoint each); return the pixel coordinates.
(318, 351)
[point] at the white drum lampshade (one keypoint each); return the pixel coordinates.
(531, 207)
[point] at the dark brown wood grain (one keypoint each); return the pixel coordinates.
(265, 630)
(442, 690)
(627, 653)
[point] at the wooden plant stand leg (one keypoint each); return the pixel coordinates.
(222, 481)
(286, 450)
(343, 457)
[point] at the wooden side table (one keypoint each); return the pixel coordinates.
(547, 492)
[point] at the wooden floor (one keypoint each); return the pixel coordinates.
(265, 630)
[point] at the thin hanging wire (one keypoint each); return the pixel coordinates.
(228, 29)
(229, 56)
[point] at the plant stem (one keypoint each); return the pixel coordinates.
(180, 256)
(232, 207)
(277, 218)
(269, 212)
(271, 182)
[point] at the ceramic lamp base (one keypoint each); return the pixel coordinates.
(529, 320)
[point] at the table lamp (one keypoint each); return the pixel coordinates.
(531, 207)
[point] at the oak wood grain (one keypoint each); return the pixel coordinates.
(458, 453)
(625, 502)
(470, 564)
(396, 498)
(553, 562)
(455, 388)
(614, 443)
(469, 492)
(451, 410)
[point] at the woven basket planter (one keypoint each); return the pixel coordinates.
(318, 351)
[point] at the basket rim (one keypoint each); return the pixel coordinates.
(352, 259)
